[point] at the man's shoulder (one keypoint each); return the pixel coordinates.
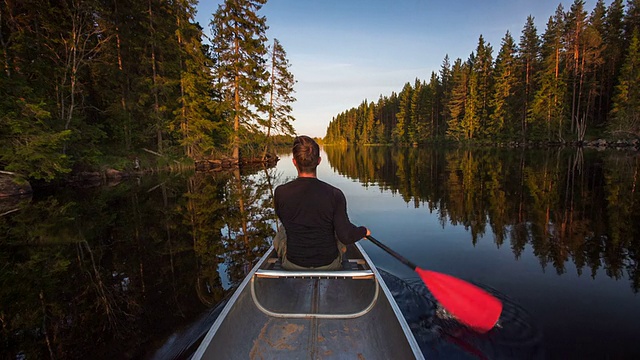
(335, 191)
(324, 184)
(286, 185)
(308, 183)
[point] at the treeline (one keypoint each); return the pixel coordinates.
(580, 77)
(85, 82)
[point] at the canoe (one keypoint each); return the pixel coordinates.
(280, 314)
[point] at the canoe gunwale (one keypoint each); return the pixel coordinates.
(264, 269)
(199, 354)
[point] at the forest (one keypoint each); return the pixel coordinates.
(93, 84)
(578, 80)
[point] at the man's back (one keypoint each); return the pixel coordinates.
(314, 214)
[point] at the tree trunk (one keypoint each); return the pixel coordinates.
(156, 103)
(273, 85)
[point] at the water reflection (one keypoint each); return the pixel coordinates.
(569, 205)
(120, 271)
(110, 272)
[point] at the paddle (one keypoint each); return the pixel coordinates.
(471, 305)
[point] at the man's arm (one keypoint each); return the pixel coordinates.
(346, 232)
(275, 202)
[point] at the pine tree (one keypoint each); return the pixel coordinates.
(584, 41)
(529, 62)
(458, 100)
(403, 116)
(434, 104)
(576, 23)
(625, 115)
(239, 41)
(445, 95)
(613, 37)
(281, 82)
(480, 87)
(594, 63)
(418, 129)
(472, 120)
(196, 116)
(631, 20)
(368, 130)
(549, 105)
(503, 103)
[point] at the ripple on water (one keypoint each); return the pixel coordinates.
(440, 336)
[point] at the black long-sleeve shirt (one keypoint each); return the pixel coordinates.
(314, 214)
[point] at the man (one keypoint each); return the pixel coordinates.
(314, 216)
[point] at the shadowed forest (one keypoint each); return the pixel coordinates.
(91, 84)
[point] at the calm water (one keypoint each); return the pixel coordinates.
(138, 269)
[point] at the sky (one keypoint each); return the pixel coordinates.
(343, 52)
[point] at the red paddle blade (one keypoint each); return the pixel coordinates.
(471, 305)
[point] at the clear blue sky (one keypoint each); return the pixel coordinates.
(344, 51)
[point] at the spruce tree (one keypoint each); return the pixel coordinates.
(445, 95)
(457, 104)
(631, 19)
(403, 116)
(529, 62)
(480, 87)
(434, 104)
(239, 42)
(196, 116)
(548, 111)
(625, 115)
(502, 118)
(472, 122)
(281, 82)
(613, 37)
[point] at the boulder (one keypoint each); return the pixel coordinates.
(13, 184)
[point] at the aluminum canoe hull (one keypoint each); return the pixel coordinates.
(279, 314)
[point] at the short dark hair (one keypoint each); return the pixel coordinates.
(306, 152)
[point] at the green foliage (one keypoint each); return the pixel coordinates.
(83, 81)
(281, 82)
(30, 146)
(239, 41)
(626, 103)
(556, 87)
(401, 132)
(458, 99)
(503, 106)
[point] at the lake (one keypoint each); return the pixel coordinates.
(140, 269)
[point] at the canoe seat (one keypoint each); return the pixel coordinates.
(274, 263)
(353, 268)
(333, 274)
(314, 294)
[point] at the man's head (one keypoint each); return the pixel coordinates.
(306, 154)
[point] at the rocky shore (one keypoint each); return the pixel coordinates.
(600, 144)
(12, 184)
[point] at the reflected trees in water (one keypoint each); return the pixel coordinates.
(114, 271)
(111, 271)
(570, 205)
